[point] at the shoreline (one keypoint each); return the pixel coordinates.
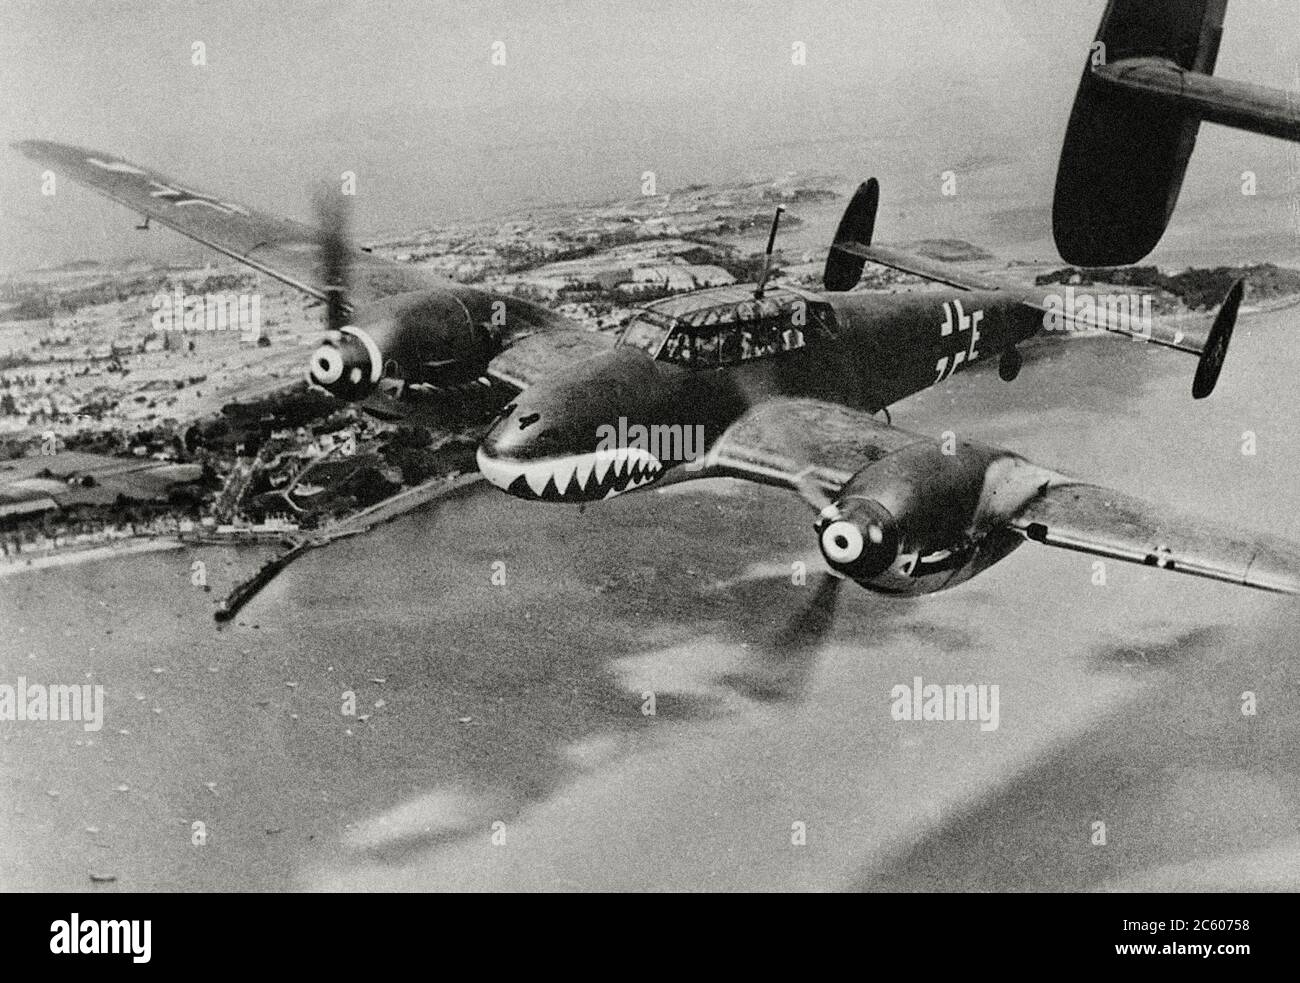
(63, 558)
(385, 511)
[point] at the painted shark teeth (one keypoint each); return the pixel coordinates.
(579, 477)
(537, 475)
(582, 472)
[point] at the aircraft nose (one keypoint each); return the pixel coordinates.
(348, 365)
(560, 441)
(498, 470)
(519, 440)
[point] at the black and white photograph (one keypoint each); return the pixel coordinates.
(660, 446)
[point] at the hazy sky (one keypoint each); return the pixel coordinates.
(592, 94)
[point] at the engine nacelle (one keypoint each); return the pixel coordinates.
(859, 538)
(442, 337)
(918, 520)
(349, 365)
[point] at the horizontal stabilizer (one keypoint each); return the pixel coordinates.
(1210, 347)
(1241, 105)
(922, 266)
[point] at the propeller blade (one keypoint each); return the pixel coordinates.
(810, 625)
(332, 215)
(784, 665)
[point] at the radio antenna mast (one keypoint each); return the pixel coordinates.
(767, 256)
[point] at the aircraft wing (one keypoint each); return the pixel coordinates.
(285, 250)
(1105, 523)
(789, 443)
(538, 356)
(785, 442)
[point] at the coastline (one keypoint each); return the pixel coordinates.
(359, 522)
(63, 558)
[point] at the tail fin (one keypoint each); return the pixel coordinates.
(1148, 85)
(852, 249)
(1124, 157)
(1216, 343)
(843, 267)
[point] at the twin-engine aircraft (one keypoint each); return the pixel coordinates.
(782, 387)
(1147, 86)
(771, 384)
(399, 338)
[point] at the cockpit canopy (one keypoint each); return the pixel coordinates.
(709, 328)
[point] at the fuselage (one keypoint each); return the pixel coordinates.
(690, 366)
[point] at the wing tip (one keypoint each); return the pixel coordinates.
(41, 149)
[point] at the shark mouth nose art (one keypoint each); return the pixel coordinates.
(573, 478)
